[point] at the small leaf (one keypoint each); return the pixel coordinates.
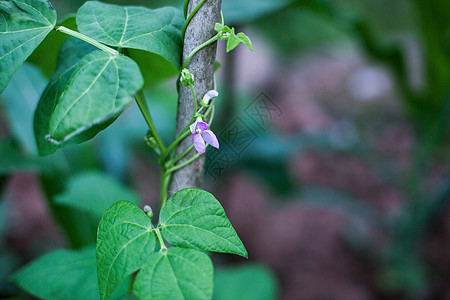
(193, 218)
(125, 241)
(234, 40)
(94, 192)
(84, 99)
(245, 40)
(177, 274)
(157, 31)
(23, 26)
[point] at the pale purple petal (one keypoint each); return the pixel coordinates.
(201, 125)
(210, 138)
(210, 95)
(199, 143)
(193, 126)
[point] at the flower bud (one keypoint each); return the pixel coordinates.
(187, 79)
(148, 210)
(208, 96)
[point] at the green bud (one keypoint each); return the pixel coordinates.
(187, 79)
(150, 140)
(148, 210)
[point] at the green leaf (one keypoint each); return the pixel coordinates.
(84, 99)
(23, 26)
(125, 241)
(157, 31)
(63, 274)
(71, 52)
(250, 282)
(234, 40)
(193, 218)
(94, 192)
(176, 274)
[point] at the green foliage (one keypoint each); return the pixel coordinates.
(250, 282)
(23, 25)
(233, 39)
(84, 97)
(63, 274)
(157, 31)
(46, 54)
(93, 192)
(124, 243)
(193, 218)
(176, 274)
(92, 85)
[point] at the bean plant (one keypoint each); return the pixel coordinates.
(94, 82)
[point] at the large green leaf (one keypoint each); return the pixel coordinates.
(23, 26)
(63, 274)
(193, 218)
(71, 52)
(157, 31)
(94, 192)
(176, 274)
(84, 98)
(125, 242)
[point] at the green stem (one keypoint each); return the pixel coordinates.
(182, 165)
(87, 39)
(210, 41)
(165, 179)
(191, 15)
(142, 104)
(185, 130)
(182, 154)
(160, 240)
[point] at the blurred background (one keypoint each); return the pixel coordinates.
(334, 161)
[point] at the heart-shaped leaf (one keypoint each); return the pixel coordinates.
(23, 26)
(84, 97)
(193, 218)
(176, 274)
(125, 242)
(153, 30)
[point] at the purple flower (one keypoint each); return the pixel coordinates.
(201, 134)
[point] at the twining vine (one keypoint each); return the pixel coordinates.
(94, 82)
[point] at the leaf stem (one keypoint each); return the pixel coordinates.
(182, 165)
(160, 239)
(87, 40)
(165, 179)
(142, 104)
